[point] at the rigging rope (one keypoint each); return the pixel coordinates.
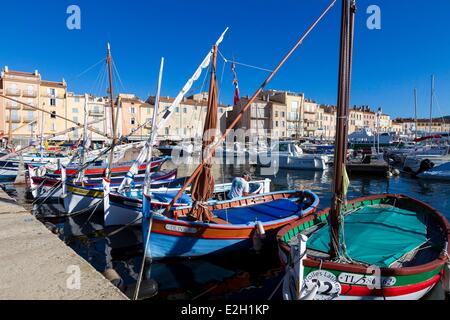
(243, 64)
(88, 69)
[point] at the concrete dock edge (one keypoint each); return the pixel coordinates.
(36, 265)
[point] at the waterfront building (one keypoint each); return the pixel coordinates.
(25, 122)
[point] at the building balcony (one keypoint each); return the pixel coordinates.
(29, 94)
(27, 119)
(14, 119)
(12, 106)
(26, 107)
(96, 113)
(13, 92)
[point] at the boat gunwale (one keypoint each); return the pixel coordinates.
(307, 212)
(399, 271)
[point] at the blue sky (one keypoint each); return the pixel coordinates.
(388, 63)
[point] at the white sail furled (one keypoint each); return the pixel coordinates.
(205, 64)
(159, 124)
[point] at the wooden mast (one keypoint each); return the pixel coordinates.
(111, 94)
(113, 122)
(345, 61)
(246, 107)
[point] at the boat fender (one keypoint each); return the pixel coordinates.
(257, 242)
(114, 278)
(446, 277)
(311, 294)
(389, 174)
(396, 172)
(261, 230)
(148, 289)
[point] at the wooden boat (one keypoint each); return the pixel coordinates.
(126, 208)
(376, 247)
(205, 228)
(116, 170)
(50, 189)
(404, 240)
(79, 197)
(234, 226)
(8, 170)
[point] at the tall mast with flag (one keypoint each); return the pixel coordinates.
(236, 85)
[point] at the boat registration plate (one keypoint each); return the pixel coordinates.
(367, 280)
(183, 229)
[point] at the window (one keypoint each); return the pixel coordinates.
(53, 127)
(53, 102)
(53, 115)
(283, 124)
(276, 123)
(132, 121)
(75, 119)
(132, 110)
(167, 130)
(177, 110)
(77, 99)
(276, 114)
(184, 110)
(283, 114)
(96, 109)
(74, 110)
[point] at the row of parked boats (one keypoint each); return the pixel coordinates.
(376, 247)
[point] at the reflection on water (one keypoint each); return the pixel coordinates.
(246, 275)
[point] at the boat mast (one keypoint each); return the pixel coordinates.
(154, 132)
(345, 68)
(246, 107)
(42, 133)
(148, 179)
(431, 104)
(113, 122)
(415, 113)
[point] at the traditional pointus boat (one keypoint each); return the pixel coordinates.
(396, 247)
(376, 247)
(50, 189)
(205, 228)
(126, 207)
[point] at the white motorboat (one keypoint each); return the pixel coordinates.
(288, 155)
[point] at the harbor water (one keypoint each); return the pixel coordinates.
(245, 275)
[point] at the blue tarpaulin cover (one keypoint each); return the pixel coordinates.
(376, 235)
(265, 212)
